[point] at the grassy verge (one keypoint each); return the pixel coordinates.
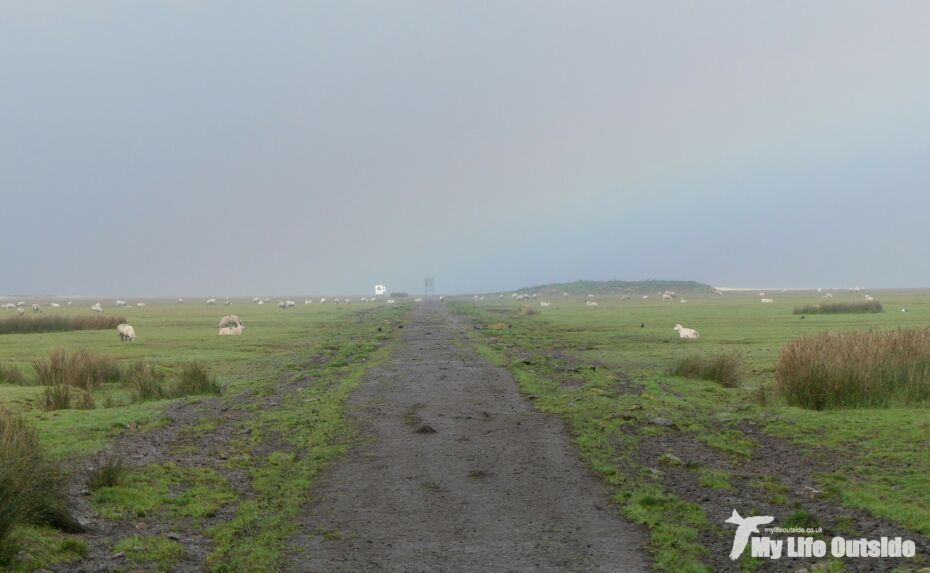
(606, 371)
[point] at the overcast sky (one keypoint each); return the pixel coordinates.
(217, 147)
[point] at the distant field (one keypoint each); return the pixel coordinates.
(680, 452)
(330, 345)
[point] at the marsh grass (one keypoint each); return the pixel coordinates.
(871, 306)
(194, 379)
(12, 375)
(109, 473)
(145, 382)
(32, 489)
(724, 368)
(81, 369)
(877, 368)
(27, 325)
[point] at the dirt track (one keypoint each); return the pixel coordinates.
(460, 474)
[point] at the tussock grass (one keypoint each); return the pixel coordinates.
(724, 368)
(876, 368)
(194, 379)
(64, 397)
(32, 489)
(82, 369)
(27, 324)
(842, 308)
(145, 382)
(109, 473)
(528, 310)
(12, 375)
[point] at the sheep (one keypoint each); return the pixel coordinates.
(255, 299)
(869, 298)
(442, 298)
(281, 304)
(766, 301)
(96, 307)
(20, 310)
(336, 300)
(126, 332)
(180, 301)
(828, 295)
(290, 304)
(544, 303)
(120, 302)
(54, 305)
(418, 299)
(229, 320)
(261, 302)
(227, 302)
(308, 301)
(21, 303)
(590, 303)
(903, 310)
(9, 306)
(500, 295)
(211, 301)
(686, 333)
(322, 300)
(390, 301)
(232, 330)
(140, 304)
(684, 300)
(645, 296)
(36, 308)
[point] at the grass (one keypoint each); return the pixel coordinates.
(194, 379)
(57, 323)
(11, 375)
(32, 488)
(152, 552)
(874, 454)
(724, 368)
(109, 473)
(841, 308)
(875, 368)
(82, 369)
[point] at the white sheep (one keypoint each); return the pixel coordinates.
(766, 301)
(308, 301)
(255, 299)
(21, 303)
(684, 300)
(418, 299)
(36, 308)
(261, 302)
(590, 303)
(229, 320)
(281, 304)
(686, 333)
(96, 307)
(232, 330)
(390, 301)
(211, 301)
(645, 296)
(120, 302)
(140, 304)
(290, 304)
(54, 305)
(442, 298)
(544, 303)
(126, 332)
(322, 300)
(20, 310)
(869, 298)
(180, 301)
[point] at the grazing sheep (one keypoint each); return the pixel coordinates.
(544, 303)
(255, 299)
(69, 303)
(281, 304)
(390, 301)
(229, 320)
(227, 302)
(869, 298)
(20, 310)
(442, 298)
(180, 301)
(766, 301)
(290, 304)
(54, 305)
(322, 300)
(120, 302)
(232, 330)
(718, 292)
(828, 295)
(684, 300)
(126, 332)
(211, 301)
(686, 333)
(308, 301)
(625, 297)
(96, 307)
(590, 303)
(36, 308)
(418, 299)
(645, 296)
(140, 304)
(261, 302)
(21, 303)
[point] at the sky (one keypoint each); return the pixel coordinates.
(243, 148)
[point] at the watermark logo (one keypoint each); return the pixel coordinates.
(804, 545)
(745, 526)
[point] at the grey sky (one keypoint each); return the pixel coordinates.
(241, 148)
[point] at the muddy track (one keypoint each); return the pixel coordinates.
(460, 473)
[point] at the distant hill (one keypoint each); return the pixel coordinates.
(583, 288)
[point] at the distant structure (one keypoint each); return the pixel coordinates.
(429, 287)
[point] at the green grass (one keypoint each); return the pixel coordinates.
(175, 339)
(876, 453)
(151, 551)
